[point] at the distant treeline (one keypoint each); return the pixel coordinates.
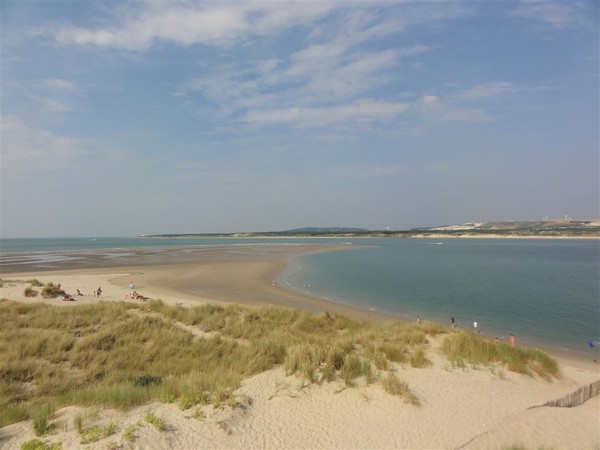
(518, 229)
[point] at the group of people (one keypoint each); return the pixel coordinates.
(134, 295)
(98, 292)
(511, 338)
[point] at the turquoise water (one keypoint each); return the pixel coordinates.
(546, 292)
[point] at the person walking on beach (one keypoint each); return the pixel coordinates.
(452, 324)
(418, 320)
(511, 339)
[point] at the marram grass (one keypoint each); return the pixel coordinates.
(117, 354)
(464, 346)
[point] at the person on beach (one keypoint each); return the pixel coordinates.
(452, 324)
(475, 327)
(511, 339)
(99, 292)
(418, 320)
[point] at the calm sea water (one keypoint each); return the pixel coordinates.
(546, 292)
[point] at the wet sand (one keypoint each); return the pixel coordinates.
(242, 274)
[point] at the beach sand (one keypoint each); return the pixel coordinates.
(460, 408)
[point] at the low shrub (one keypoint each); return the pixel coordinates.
(30, 292)
(51, 291)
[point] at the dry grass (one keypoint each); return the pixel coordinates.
(464, 346)
(117, 354)
(393, 385)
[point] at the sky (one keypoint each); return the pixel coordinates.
(146, 117)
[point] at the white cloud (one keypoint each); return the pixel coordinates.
(557, 14)
(187, 23)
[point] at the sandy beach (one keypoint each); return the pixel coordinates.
(460, 407)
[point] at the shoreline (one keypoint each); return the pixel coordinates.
(217, 274)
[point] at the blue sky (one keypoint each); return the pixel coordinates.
(124, 118)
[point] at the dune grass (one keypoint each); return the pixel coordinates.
(117, 354)
(393, 385)
(463, 346)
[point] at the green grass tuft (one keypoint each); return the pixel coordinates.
(159, 423)
(97, 432)
(129, 433)
(41, 419)
(36, 444)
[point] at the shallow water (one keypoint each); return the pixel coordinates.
(546, 292)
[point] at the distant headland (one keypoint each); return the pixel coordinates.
(508, 229)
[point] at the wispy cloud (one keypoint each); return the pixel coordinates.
(486, 91)
(33, 148)
(59, 84)
(556, 14)
(359, 111)
(187, 23)
(51, 104)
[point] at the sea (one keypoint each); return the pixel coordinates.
(544, 291)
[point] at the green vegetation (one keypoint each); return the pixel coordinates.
(41, 419)
(464, 346)
(129, 431)
(51, 291)
(117, 354)
(97, 432)
(36, 444)
(159, 423)
(30, 292)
